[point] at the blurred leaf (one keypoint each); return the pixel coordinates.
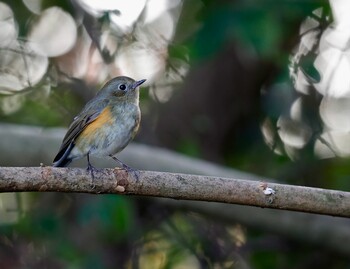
(262, 25)
(112, 215)
(189, 147)
(265, 259)
(70, 253)
(35, 113)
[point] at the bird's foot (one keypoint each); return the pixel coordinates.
(127, 168)
(92, 170)
(131, 170)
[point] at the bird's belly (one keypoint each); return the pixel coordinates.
(118, 138)
(110, 139)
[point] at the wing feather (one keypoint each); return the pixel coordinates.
(89, 113)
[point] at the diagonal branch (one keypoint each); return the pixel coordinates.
(177, 186)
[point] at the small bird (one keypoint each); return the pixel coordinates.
(105, 126)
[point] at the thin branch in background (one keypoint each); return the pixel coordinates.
(327, 144)
(26, 66)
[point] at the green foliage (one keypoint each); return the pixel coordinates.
(112, 216)
(189, 147)
(34, 113)
(259, 25)
(74, 237)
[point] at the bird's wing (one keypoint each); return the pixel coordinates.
(90, 113)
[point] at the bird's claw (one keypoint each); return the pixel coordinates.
(130, 170)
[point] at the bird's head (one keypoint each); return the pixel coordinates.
(122, 88)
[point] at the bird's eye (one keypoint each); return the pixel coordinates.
(122, 87)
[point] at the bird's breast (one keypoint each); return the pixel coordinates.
(111, 132)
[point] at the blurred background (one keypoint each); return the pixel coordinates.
(257, 89)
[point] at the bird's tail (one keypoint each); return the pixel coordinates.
(62, 162)
(61, 159)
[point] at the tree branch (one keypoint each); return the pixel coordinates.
(177, 186)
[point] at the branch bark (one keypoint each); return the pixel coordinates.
(177, 186)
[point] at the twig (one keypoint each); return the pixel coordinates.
(177, 186)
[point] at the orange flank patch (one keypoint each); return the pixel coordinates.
(92, 128)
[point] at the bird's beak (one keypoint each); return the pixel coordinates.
(137, 83)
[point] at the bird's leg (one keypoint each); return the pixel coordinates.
(90, 167)
(126, 167)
